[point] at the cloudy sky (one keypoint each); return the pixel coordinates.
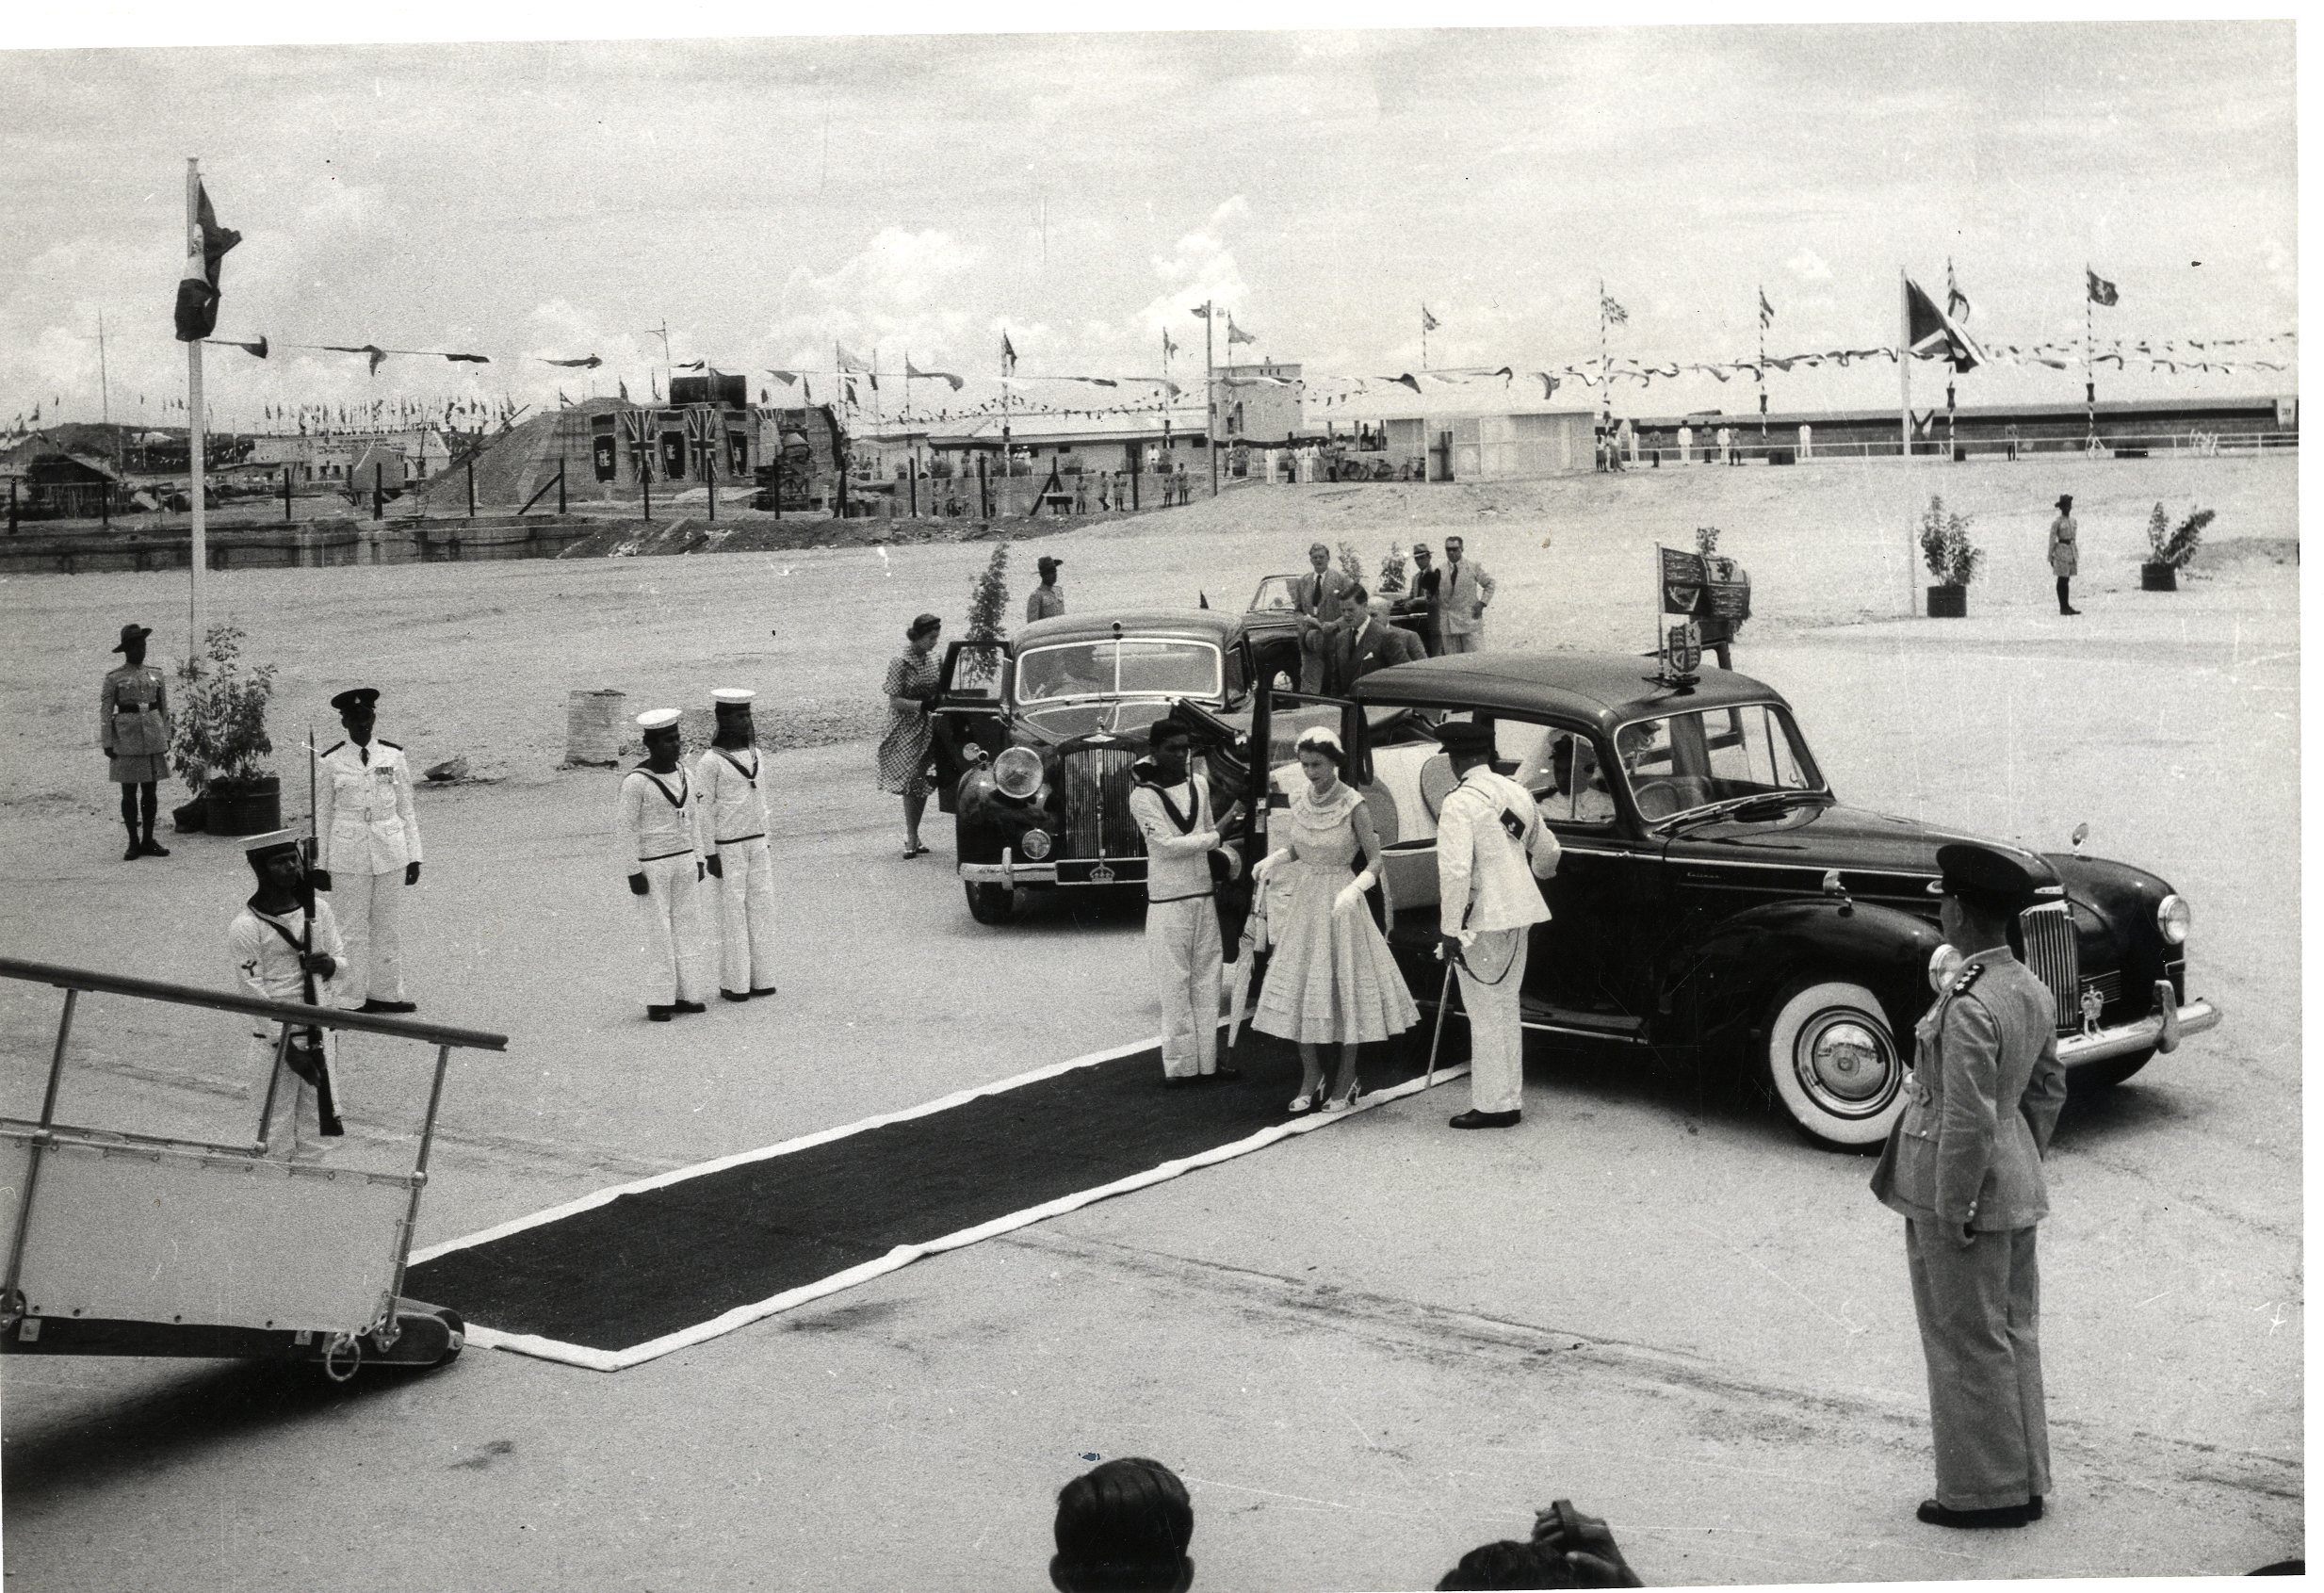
(767, 198)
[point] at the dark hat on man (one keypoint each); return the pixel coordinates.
(2065, 500)
(356, 697)
(1465, 735)
(1981, 875)
(1048, 563)
(922, 625)
(132, 633)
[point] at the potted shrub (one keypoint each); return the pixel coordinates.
(2169, 550)
(220, 746)
(1951, 557)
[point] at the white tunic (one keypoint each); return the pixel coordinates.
(267, 966)
(1484, 876)
(363, 808)
(656, 817)
(734, 806)
(1177, 864)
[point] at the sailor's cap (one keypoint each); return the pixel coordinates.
(732, 697)
(273, 842)
(657, 718)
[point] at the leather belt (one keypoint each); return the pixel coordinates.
(739, 839)
(682, 851)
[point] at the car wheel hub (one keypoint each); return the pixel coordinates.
(1847, 1065)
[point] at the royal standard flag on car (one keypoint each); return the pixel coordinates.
(206, 243)
(1682, 580)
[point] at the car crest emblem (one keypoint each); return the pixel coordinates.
(1682, 648)
(2093, 1003)
(1098, 738)
(1102, 876)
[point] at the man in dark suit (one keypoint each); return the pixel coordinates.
(1963, 1167)
(1426, 600)
(1363, 643)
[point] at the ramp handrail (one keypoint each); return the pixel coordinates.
(283, 1011)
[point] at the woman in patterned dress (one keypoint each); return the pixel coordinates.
(911, 692)
(1332, 980)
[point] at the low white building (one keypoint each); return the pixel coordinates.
(330, 457)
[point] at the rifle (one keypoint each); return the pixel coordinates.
(316, 1053)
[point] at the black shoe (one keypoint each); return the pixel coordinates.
(2032, 1508)
(1186, 1083)
(659, 1015)
(153, 847)
(134, 853)
(389, 1006)
(758, 990)
(1227, 1070)
(2075, 612)
(730, 996)
(1937, 1515)
(687, 1006)
(1475, 1119)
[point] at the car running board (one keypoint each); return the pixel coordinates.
(1594, 1025)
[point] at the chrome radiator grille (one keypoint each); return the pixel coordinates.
(2048, 932)
(1095, 783)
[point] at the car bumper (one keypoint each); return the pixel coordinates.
(1064, 872)
(2161, 1030)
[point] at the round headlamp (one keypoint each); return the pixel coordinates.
(2174, 917)
(1944, 967)
(1018, 772)
(1036, 845)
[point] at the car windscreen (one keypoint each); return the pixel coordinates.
(1132, 666)
(1683, 761)
(1277, 594)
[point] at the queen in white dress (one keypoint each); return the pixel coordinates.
(1331, 980)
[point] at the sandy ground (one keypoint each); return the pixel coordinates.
(1367, 1350)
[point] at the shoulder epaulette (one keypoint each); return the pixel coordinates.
(386, 742)
(329, 750)
(1968, 980)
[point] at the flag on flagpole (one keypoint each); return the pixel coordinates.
(1931, 333)
(913, 373)
(1168, 347)
(1615, 314)
(1767, 311)
(206, 243)
(1956, 301)
(2101, 290)
(1236, 334)
(1203, 310)
(1008, 353)
(1428, 322)
(849, 361)
(588, 362)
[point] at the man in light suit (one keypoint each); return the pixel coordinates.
(1320, 597)
(1492, 850)
(1365, 642)
(1963, 1167)
(368, 836)
(1468, 588)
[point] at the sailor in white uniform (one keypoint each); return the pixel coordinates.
(282, 955)
(367, 838)
(660, 852)
(1172, 807)
(733, 798)
(1492, 850)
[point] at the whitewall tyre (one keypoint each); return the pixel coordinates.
(1834, 1065)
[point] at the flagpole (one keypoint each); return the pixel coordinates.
(197, 463)
(1904, 364)
(1424, 337)
(1209, 391)
(2090, 379)
(1606, 380)
(1952, 292)
(1008, 367)
(1759, 373)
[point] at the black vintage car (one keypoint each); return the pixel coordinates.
(1035, 738)
(1716, 899)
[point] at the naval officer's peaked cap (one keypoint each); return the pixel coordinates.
(1981, 874)
(356, 697)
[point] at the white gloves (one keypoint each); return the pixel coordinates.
(1268, 865)
(1351, 896)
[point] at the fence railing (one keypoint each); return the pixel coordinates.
(1777, 448)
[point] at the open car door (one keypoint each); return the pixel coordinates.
(972, 690)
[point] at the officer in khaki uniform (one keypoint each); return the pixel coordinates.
(1963, 1165)
(369, 835)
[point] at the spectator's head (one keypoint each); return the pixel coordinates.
(1359, 602)
(1172, 746)
(1507, 1564)
(1466, 743)
(1122, 1527)
(1453, 546)
(1048, 567)
(924, 632)
(1420, 555)
(1320, 557)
